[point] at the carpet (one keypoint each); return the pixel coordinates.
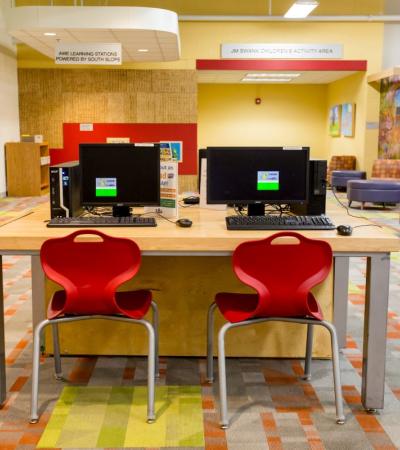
(110, 417)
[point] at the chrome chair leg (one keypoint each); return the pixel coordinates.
(155, 318)
(56, 350)
(340, 417)
(151, 416)
(210, 342)
(35, 369)
(222, 376)
(308, 358)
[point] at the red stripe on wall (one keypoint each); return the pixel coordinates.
(281, 64)
(136, 132)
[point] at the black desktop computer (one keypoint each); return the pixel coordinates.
(65, 190)
(315, 206)
(256, 176)
(273, 182)
(120, 176)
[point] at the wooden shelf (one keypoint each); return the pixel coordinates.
(27, 166)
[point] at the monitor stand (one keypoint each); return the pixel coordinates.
(121, 211)
(256, 209)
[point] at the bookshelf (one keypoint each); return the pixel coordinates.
(27, 166)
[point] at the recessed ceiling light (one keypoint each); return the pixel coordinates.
(301, 9)
(272, 75)
(143, 50)
(267, 80)
(50, 34)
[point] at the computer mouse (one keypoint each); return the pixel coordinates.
(184, 223)
(344, 230)
(192, 200)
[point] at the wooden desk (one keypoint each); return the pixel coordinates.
(209, 237)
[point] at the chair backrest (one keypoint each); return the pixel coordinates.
(89, 271)
(340, 162)
(386, 168)
(283, 273)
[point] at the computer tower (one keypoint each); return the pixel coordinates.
(65, 197)
(316, 191)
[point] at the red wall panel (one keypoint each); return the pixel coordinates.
(137, 132)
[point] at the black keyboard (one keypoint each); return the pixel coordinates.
(272, 222)
(102, 221)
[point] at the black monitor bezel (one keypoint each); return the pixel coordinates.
(110, 203)
(244, 202)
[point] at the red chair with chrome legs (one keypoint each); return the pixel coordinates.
(282, 273)
(90, 272)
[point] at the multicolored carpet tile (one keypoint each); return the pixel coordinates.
(270, 407)
(118, 418)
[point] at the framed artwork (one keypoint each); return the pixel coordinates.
(348, 119)
(335, 120)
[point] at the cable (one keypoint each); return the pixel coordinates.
(16, 218)
(166, 218)
(353, 215)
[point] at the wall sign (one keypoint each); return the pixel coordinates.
(282, 51)
(88, 53)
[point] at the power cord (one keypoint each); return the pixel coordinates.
(353, 215)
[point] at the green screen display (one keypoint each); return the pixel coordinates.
(268, 180)
(106, 187)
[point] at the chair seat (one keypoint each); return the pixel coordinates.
(383, 185)
(133, 304)
(236, 307)
(378, 191)
(341, 177)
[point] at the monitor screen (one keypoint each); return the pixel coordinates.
(119, 174)
(248, 175)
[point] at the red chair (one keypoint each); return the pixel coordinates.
(282, 275)
(90, 273)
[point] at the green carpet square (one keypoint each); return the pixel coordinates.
(89, 417)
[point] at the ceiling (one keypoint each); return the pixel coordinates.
(145, 34)
(239, 7)
(189, 9)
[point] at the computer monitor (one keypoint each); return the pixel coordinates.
(255, 176)
(119, 175)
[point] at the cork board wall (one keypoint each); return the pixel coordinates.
(50, 97)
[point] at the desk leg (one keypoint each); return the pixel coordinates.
(38, 291)
(375, 325)
(2, 340)
(340, 297)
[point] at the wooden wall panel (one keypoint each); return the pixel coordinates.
(50, 97)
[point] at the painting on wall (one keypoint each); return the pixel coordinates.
(389, 119)
(348, 119)
(335, 120)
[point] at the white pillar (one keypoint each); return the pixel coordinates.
(9, 112)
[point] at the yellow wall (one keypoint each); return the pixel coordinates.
(226, 112)
(217, 104)
(287, 115)
(349, 90)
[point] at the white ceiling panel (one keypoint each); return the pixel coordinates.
(134, 27)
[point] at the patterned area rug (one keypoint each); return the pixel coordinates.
(104, 417)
